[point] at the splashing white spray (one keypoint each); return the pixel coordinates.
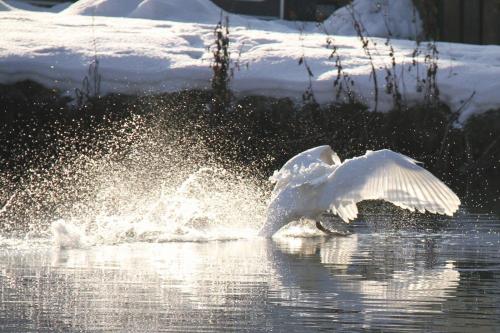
(145, 187)
(211, 204)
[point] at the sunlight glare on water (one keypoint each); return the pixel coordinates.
(393, 280)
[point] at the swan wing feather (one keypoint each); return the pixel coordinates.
(390, 176)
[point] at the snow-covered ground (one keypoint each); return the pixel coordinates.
(141, 56)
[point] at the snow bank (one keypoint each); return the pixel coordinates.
(383, 18)
(146, 56)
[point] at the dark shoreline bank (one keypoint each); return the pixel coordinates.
(254, 134)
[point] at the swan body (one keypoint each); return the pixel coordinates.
(316, 181)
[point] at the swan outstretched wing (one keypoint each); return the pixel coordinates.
(386, 175)
(305, 167)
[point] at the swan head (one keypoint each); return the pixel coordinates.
(336, 159)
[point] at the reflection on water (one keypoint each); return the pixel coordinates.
(372, 280)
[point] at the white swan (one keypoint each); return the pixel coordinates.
(316, 181)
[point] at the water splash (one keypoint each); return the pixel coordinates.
(141, 184)
(210, 204)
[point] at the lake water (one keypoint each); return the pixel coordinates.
(378, 278)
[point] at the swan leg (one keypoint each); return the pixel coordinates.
(338, 229)
(320, 227)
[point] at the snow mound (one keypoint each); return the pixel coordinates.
(114, 8)
(385, 18)
(184, 11)
(199, 11)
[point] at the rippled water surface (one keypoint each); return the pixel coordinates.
(376, 279)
